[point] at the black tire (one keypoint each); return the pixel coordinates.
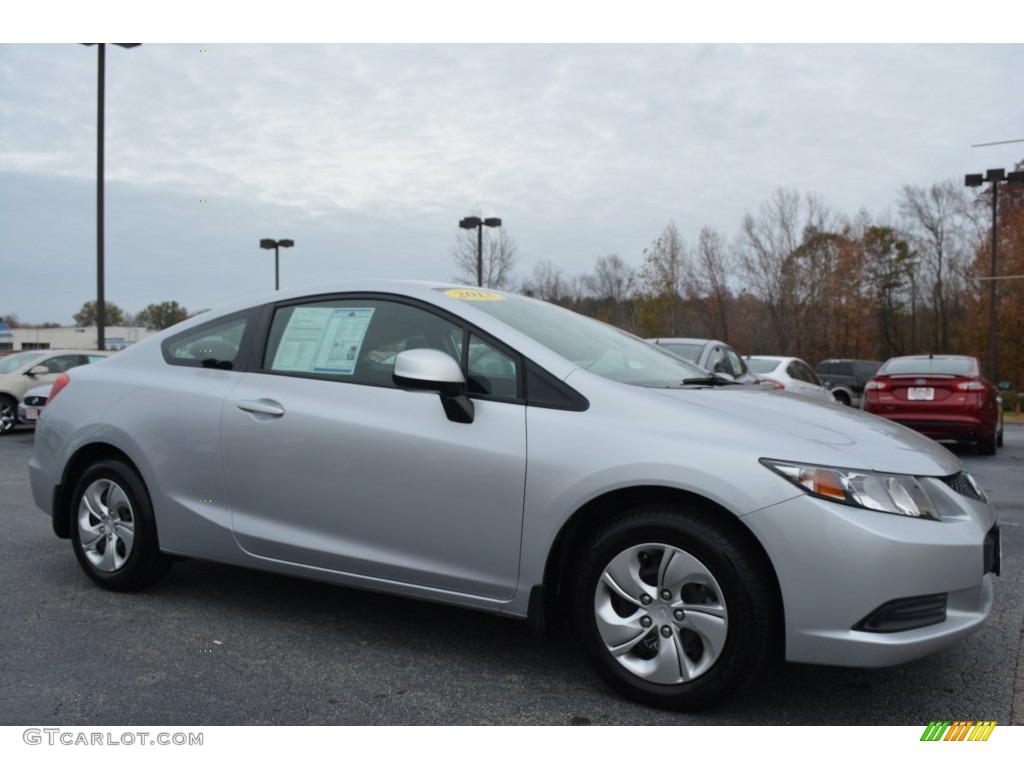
(988, 447)
(842, 397)
(8, 414)
(999, 433)
(113, 530)
(718, 617)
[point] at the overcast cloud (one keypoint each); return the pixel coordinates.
(368, 155)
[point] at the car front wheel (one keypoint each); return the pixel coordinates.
(672, 610)
(8, 414)
(113, 529)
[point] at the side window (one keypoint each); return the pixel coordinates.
(804, 373)
(213, 345)
(354, 340)
(63, 363)
(489, 371)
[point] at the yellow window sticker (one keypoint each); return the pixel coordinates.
(473, 294)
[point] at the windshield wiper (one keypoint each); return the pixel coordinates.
(714, 380)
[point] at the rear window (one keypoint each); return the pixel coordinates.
(762, 366)
(943, 366)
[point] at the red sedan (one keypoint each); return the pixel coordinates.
(942, 396)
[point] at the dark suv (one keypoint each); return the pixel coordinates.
(846, 378)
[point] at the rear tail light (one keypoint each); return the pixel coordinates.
(970, 386)
(874, 384)
(767, 383)
(58, 385)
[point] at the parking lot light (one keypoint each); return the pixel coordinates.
(269, 243)
(471, 222)
(993, 176)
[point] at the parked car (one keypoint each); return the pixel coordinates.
(711, 355)
(942, 396)
(484, 449)
(845, 379)
(24, 370)
(33, 403)
(789, 373)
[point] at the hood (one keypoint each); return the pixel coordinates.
(783, 426)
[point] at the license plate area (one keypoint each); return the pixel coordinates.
(920, 393)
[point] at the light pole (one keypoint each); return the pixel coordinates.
(275, 244)
(101, 305)
(994, 176)
(475, 221)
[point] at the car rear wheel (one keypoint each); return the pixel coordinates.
(672, 610)
(113, 529)
(8, 414)
(987, 447)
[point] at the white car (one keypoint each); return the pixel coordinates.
(33, 404)
(789, 373)
(27, 369)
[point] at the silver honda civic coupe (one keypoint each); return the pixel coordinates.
(484, 449)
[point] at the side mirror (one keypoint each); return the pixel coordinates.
(37, 370)
(434, 371)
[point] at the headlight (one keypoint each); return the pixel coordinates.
(898, 494)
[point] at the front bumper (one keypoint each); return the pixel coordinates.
(840, 568)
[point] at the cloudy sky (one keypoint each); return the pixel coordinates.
(367, 155)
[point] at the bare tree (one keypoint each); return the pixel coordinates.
(612, 279)
(938, 222)
(547, 283)
(707, 284)
(500, 255)
(777, 270)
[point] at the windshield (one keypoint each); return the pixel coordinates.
(591, 344)
(14, 362)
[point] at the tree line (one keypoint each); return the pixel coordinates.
(801, 279)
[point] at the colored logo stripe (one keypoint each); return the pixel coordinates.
(958, 730)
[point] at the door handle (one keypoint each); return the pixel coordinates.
(265, 407)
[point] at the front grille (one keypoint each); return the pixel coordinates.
(962, 483)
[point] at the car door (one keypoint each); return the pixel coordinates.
(329, 465)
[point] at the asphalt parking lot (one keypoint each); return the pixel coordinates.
(214, 645)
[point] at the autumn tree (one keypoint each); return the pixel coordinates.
(156, 317)
(662, 284)
(86, 316)
(888, 268)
